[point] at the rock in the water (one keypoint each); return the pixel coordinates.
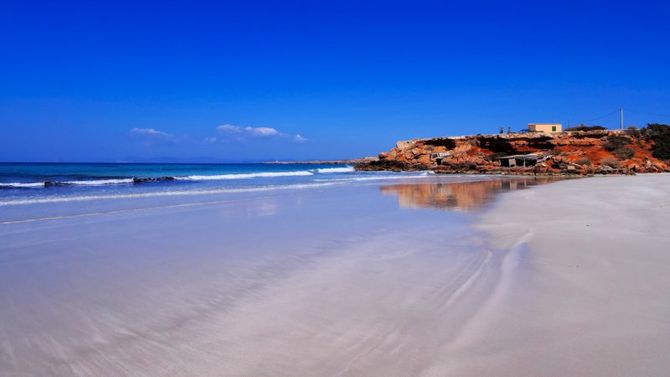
(152, 179)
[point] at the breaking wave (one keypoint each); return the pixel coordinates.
(97, 182)
(425, 174)
(220, 177)
(21, 185)
(140, 180)
(346, 169)
(215, 177)
(80, 198)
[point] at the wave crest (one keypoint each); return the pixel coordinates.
(140, 180)
(65, 199)
(221, 177)
(346, 169)
(22, 185)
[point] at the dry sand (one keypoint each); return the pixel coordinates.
(586, 289)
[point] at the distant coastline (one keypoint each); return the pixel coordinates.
(323, 162)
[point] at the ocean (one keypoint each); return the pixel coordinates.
(30, 183)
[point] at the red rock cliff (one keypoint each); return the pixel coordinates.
(580, 152)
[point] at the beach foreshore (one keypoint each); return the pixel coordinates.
(397, 278)
(585, 286)
(348, 279)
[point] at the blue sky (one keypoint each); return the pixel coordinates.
(250, 81)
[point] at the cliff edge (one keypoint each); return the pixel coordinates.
(573, 152)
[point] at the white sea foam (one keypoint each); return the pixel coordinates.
(378, 178)
(99, 182)
(121, 181)
(81, 198)
(346, 169)
(221, 177)
(23, 184)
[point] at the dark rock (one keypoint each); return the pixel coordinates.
(152, 179)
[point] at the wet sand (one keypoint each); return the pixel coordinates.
(407, 279)
(333, 281)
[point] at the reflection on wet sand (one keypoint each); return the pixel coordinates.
(459, 196)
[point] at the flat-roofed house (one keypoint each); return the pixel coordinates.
(545, 127)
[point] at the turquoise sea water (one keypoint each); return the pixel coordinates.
(26, 183)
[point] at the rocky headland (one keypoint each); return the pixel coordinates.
(586, 152)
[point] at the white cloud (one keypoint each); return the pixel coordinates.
(262, 131)
(241, 133)
(299, 139)
(150, 132)
(248, 131)
(229, 128)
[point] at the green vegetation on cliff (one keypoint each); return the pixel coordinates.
(660, 135)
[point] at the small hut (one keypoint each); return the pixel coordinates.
(522, 160)
(438, 157)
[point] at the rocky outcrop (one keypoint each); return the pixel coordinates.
(575, 153)
(152, 179)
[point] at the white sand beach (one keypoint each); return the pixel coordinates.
(569, 278)
(586, 290)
